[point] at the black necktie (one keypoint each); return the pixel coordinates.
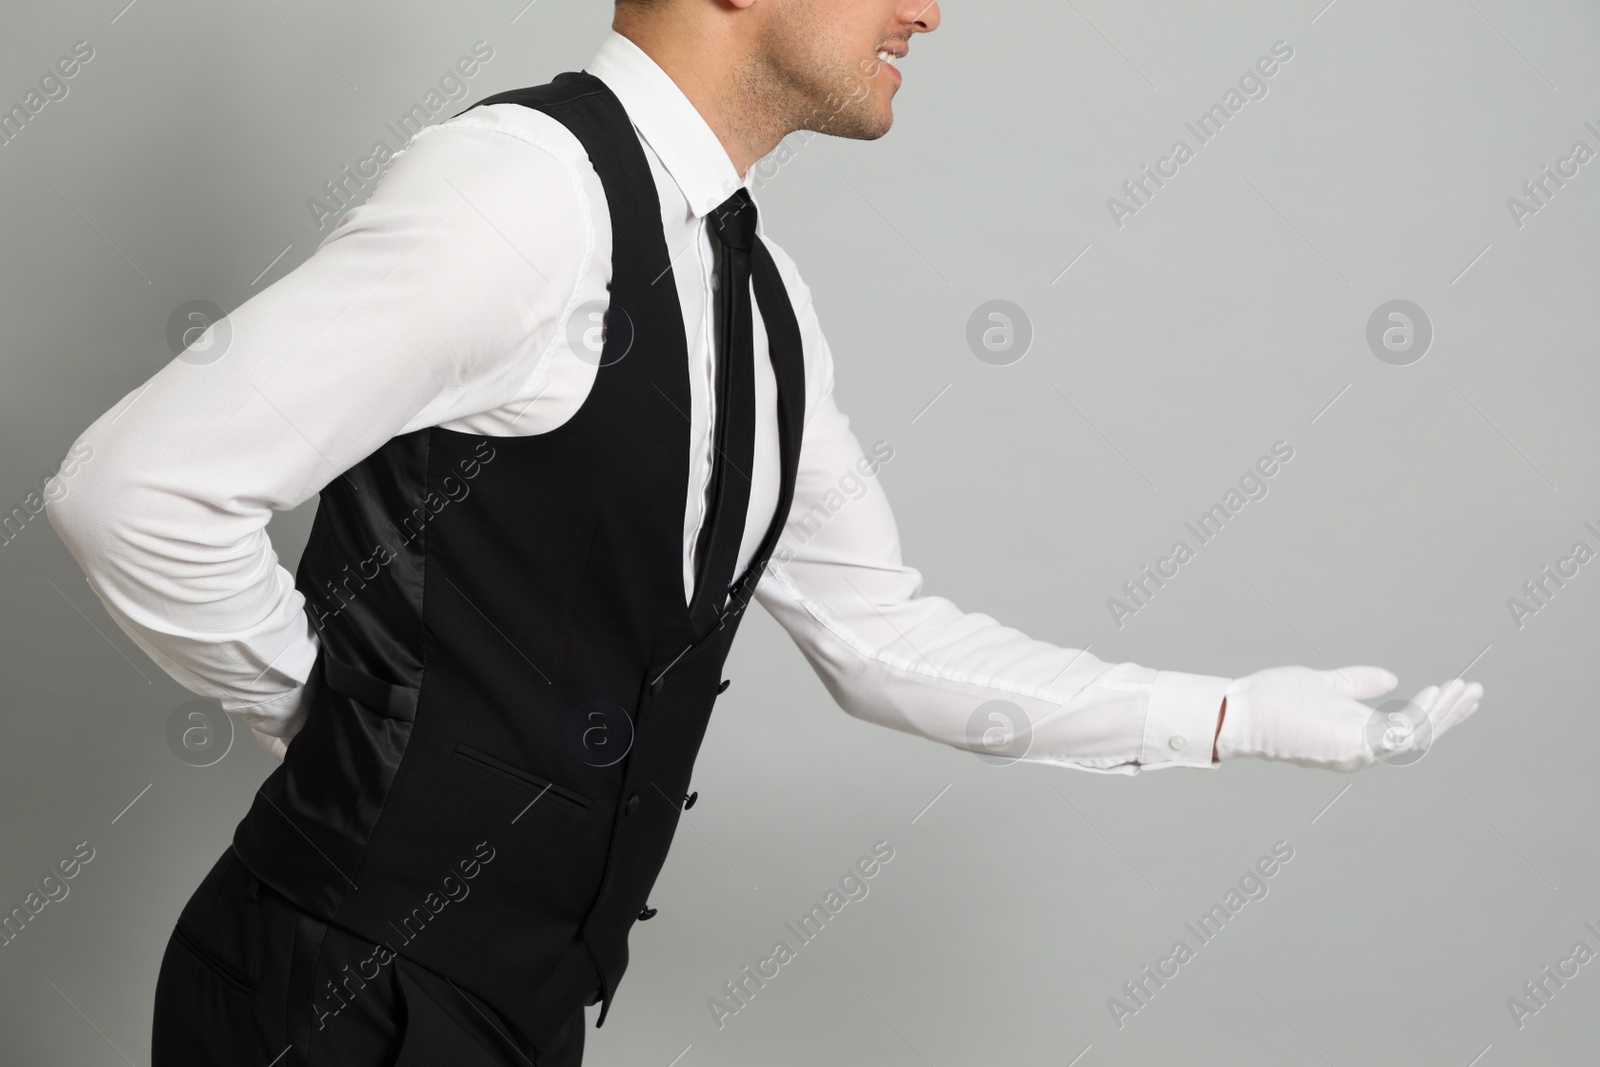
(733, 226)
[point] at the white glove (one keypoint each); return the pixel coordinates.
(1312, 717)
(277, 746)
(272, 726)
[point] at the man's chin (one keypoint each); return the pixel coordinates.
(859, 126)
(865, 134)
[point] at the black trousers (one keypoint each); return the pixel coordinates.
(249, 980)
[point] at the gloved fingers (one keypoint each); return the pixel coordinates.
(1437, 701)
(1360, 683)
(1460, 699)
(1425, 700)
(1439, 707)
(1468, 704)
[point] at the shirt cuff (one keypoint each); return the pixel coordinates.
(1181, 721)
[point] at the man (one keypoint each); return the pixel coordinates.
(564, 404)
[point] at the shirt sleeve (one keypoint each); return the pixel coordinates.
(436, 299)
(892, 655)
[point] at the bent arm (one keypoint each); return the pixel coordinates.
(432, 301)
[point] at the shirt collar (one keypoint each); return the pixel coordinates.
(665, 118)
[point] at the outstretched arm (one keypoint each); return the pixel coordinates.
(892, 655)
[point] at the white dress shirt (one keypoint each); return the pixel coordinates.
(452, 298)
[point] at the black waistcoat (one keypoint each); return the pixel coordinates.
(508, 667)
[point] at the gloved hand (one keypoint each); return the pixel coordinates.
(275, 723)
(1312, 717)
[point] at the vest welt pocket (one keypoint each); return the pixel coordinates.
(485, 762)
(224, 973)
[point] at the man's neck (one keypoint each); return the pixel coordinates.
(702, 64)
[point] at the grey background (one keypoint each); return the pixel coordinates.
(1222, 318)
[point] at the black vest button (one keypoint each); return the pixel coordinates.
(688, 801)
(632, 805)
(647, 913)
(723, 688)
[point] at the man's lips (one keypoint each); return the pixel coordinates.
(888, 54)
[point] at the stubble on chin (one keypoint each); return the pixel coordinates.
(802, 85)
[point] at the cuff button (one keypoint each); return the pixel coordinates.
(1177, 741)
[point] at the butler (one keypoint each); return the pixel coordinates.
(562, 400)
